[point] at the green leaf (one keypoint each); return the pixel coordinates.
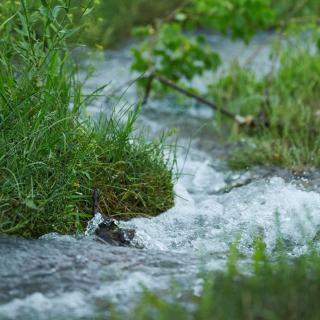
(142, 31)
(6, 21)
(87, 11)
(44, 3)
(181, 16)
(30, 204)
(55, 12)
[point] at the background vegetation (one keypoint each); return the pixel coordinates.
(112, 21)
(286, 100)
(282, 109)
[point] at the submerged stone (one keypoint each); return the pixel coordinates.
(109, 231)
(106, 229)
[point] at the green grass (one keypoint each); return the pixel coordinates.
(288, 99)
(51, 157)
(272, 288)
(286, 10)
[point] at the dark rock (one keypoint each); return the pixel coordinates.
(108, 231)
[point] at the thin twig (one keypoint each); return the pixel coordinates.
(237, 118)
(95, 201)
(148, 89)
(240, 120)
(127, 84)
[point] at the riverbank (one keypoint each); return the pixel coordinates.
(276, 114)
(110, 24)
(283, 103)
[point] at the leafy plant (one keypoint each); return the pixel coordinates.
(170, 47)
(240, 19)
(174, 50)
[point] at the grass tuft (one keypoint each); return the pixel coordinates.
(50, 155)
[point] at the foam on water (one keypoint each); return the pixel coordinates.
(37, 306)
(208, 223)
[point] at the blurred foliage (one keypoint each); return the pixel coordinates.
(175, 55)
(286, 10)
(112, 21)
(286, 100)
(240, 19)
(173, 50)
(268, 287)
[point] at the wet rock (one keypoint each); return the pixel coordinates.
(108, 231)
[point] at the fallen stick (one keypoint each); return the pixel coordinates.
(127, 84)
(148, 89)
(249, 121)
(95, 201)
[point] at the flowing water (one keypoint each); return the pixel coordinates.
(66, 277)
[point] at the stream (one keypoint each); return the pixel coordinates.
(76, 277)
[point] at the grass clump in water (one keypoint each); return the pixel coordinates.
(287, 100)
(50, 155)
